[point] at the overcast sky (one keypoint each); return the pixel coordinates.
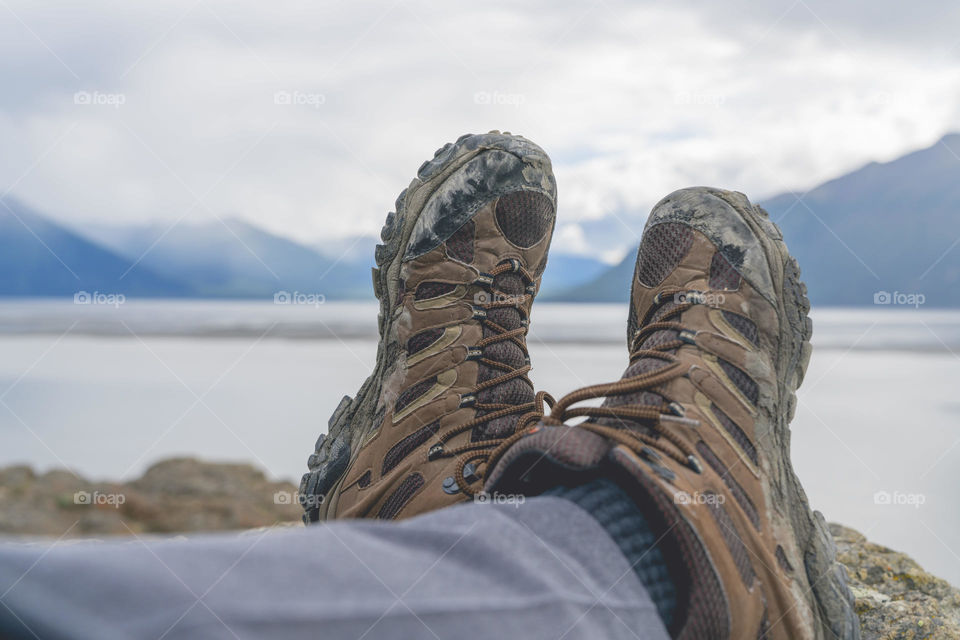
(112, 112)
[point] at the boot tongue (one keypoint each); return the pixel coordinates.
(644, 365)
(516, 391)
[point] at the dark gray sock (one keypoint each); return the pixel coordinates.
(625, 523)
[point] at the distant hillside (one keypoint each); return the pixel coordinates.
(564, 271)
(229, 259)
(891, 227)
(234, 259)
(39, 257)
(611, 285)
(886, 227)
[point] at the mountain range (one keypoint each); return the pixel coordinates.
(886, 227)
(226, 258)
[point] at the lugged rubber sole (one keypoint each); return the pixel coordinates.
(832, 601)
(355, 419)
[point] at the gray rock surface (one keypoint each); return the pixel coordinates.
(895, 598)
(176, 495)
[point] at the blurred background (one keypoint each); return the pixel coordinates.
(190, 195)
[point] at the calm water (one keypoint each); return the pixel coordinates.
(106, 392)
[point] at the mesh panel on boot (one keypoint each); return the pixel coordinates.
(658, 338)
(735, 432)
(422, 340)
(414, 392)
(657, 313)
(399, 498)
(744, 326)
(506, 352)
(525, 217)
(403, 448)
(460, 244)
(640, 366)
(741, 557)
(364, 480)
(662, 249)
(741, 379)
(514, 391)
(722, 274)
(738, 493)
(428, 290)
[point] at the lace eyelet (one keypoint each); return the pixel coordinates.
(470, 473)
(450, 486)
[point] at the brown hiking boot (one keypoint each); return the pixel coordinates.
(697, 430)
(456, 276)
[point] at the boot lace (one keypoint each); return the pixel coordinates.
(474, 454)
(659, 418)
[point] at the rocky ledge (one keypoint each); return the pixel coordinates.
(895, 598)
(176, 495)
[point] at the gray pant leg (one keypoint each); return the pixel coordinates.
(544, 569)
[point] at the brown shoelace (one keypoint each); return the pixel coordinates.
(657, 417)
(477, 452)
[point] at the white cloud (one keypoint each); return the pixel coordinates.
(632, 101)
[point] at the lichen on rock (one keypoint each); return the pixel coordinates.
(895, 598)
